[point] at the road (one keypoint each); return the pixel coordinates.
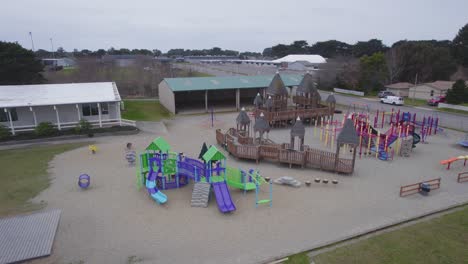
(449, 120)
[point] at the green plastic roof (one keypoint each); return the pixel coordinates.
(213, 154)
(230, 82)
(159, 144)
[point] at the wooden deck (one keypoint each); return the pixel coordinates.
(311, 158)
(287, 115)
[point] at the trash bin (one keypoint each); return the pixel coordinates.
(425, 188)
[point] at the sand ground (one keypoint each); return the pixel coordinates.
(113, 220)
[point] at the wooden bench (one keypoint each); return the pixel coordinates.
(415, 188)
(462, 177)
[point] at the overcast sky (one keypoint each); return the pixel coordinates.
(243, 25)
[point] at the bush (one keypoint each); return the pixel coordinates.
(83, 127)
(45, 129)
(4, 132)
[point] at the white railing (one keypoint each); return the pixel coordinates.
(451, 106)
(94, 123)
(338, 90)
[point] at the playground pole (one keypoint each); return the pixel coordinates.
(377, 145)
(383, 119)
(360, 142)
(369, 139)
(422, 128)
(436, 125)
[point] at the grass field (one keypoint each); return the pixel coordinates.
(415, 102)
(24, 175)
(144, 111)
(450, 110)
(440, 240)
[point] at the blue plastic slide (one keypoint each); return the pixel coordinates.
(153, 191)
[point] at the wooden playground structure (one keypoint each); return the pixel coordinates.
(306, 103)
(275, 112)
(416, 188)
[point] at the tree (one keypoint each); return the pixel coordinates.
(331, 49)
(374, 72)
(267, 52)
(430, 60)
(458, 93)
(18, 65)
(156, 52)
(460, 46)
(368, 48)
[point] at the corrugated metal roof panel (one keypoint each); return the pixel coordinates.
(27, 237)
(231, 82)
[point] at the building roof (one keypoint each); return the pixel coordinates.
(213, 154)
(302, 57)
(243, 118)
(348, 134)
(159, 144)
(229, 82)
(298, 130)
(399, 85)
(307, 85)
(58, 94)
(277, 86)
(258, 101)
(441, 85)
(261, 124)
(331, 99)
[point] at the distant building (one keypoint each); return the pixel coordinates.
(124, 60)
(301, 62)
(428, 90)
(163, 59)
(23, 107)
(209, 57)
(199, 93)
(59, 62)
(400, 88)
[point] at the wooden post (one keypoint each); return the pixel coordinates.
(34, 116)
(12, 128)
(99, 114)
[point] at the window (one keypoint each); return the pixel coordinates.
(4, 115)
(90, 109)
(104, 108)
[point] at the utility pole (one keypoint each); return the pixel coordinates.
(52, 45)
(415, 83)
(32, 42)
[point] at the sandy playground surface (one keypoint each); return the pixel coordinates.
(112, 220)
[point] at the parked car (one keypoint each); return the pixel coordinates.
(394, 100)
(382, 94)
(436, 100)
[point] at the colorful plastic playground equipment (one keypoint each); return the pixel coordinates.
(448, 162)
(84, 181)
(379, 143)
(161, 169)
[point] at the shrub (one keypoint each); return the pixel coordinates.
(83, 127)
(4, 132)
(45, 129)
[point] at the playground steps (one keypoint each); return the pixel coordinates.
(200, 194)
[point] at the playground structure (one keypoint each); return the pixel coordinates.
(464, 141)
(373, 141)
(161, 169)
(277, 110)
(93, 149)
(417, 187)
(462, 177)
(448, 162)
(84, 181)
(238, 143)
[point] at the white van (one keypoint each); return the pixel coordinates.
(394, 100)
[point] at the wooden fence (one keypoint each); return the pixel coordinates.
(462, 177)
(309, 157)
(415, 188)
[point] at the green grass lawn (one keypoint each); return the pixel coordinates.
(144, 111)
(415, 102)
(24, 175)
(450, 110)
(440, 240)
(300, 258)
